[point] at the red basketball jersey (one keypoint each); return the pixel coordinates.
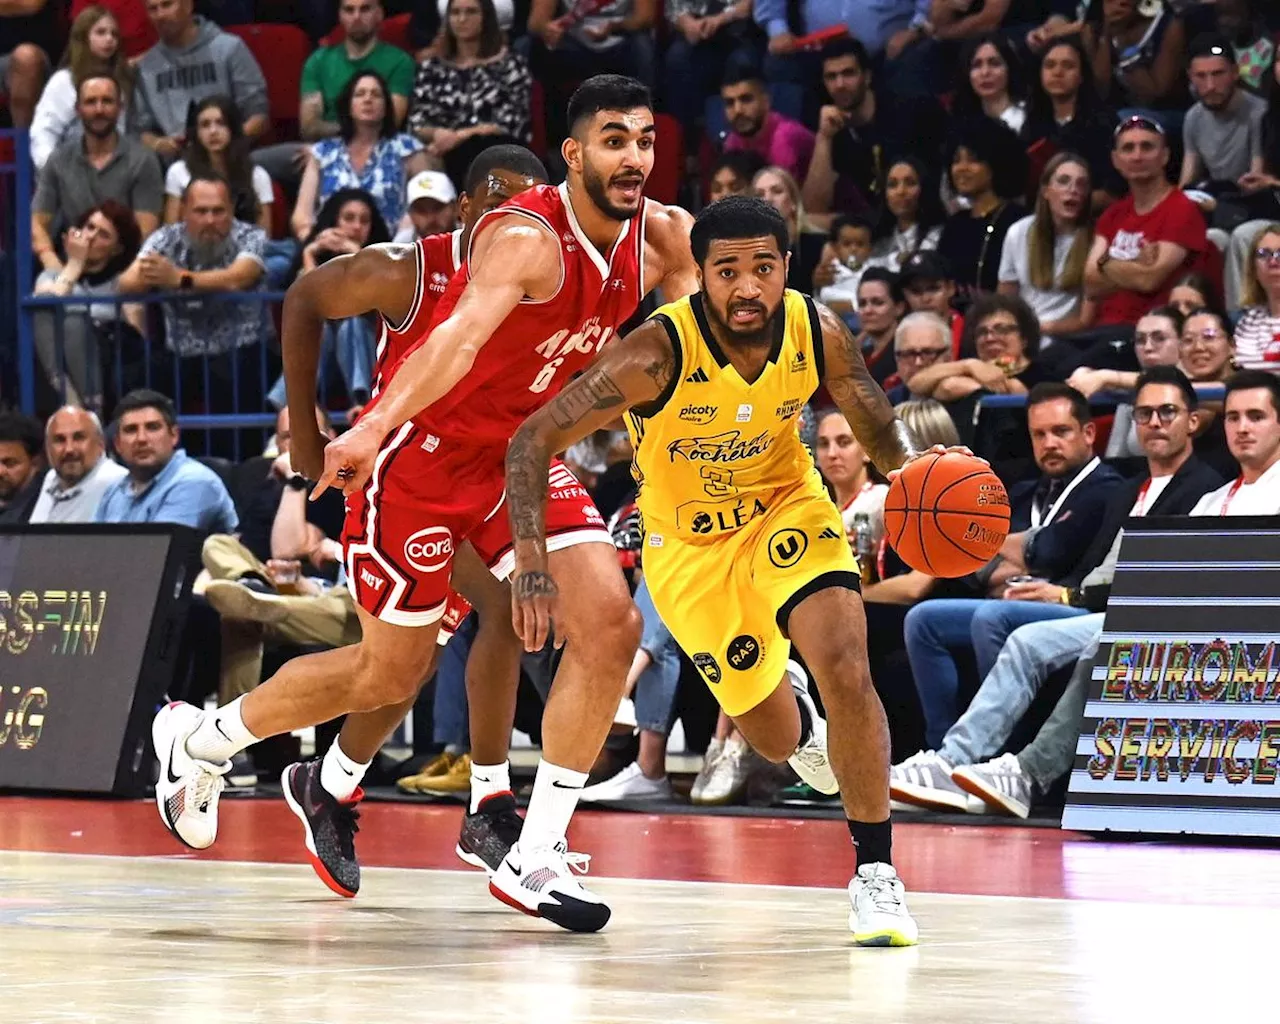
(438, 258)
(543, 343)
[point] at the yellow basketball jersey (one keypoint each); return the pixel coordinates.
(719, 452)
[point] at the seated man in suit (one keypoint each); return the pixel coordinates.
(1054, 520)
(1165, 411)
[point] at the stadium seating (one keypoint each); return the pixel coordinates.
(280, 51)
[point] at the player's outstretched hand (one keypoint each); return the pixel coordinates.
(533, 608)
(937, 449)
(348, 461)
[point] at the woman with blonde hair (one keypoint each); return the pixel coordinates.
(1257, 334)
(1044, 254)
(778, 188)
(929, 422)
(93, 44)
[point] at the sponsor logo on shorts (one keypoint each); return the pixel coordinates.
(727, 447)
(370, 579)
(592, 515)
(431, 443)
(567, 494)
(699, 414)
(429, 550)
(725, 517)
(743, 652)
(788, 408)
(786, 547)
(706, 664)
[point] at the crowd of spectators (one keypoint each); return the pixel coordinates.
(1071, 202)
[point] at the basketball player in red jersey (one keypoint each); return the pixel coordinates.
(547, 281)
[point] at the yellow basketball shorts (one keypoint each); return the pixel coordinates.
(727, 601)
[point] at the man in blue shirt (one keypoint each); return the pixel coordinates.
(163, 485)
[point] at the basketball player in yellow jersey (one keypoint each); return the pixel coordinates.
(744, 552)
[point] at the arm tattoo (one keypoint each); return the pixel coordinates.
(597, 391)
(528, 466)
(535, 584)
(883, 436)
(660, 370)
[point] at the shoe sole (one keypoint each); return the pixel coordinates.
(928, 798)
(552, 912)
(469, 858)
(235, 601)
(884, 939)
(991, 797)
(317, 864)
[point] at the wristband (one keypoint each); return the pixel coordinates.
(297, 482)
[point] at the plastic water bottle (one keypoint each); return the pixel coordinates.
(864, 545)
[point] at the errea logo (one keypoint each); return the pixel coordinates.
(439, 281)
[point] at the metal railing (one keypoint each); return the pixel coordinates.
(221, 399)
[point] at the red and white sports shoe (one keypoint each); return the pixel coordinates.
(187, 790)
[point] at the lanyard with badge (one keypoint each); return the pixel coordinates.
(1039, 518)
(1226, 502)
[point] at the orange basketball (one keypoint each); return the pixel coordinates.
(946, 515)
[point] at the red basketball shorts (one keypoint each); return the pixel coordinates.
(425, 497)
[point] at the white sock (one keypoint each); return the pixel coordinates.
(555, 797)
(340, 776)
(489, 780)
(221, 734)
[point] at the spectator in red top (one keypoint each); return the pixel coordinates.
(781, 141)
(1147, 240)
(137, 34)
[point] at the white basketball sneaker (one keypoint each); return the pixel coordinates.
(879, 916)
(810, 761)
(541, 883)
(187, 790)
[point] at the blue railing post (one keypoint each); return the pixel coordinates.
(23, 195)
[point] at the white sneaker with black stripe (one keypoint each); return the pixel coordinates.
(187, 790)
(924, 779)
(811, 760)
(1001, 784)
(541, 883)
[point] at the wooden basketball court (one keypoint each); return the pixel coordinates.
(715, 919)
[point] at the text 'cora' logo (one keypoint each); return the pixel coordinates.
(429, 550)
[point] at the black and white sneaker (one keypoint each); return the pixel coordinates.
(330, 826)
(488, 835)
(541, 883)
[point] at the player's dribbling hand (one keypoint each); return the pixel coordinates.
(533, 607)
(348, 461)
(937, 449)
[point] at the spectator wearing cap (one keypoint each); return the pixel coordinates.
(163, 485)
(863, 132)
(986, 167)
(433, 206)
(1147, 240)
(79, 470)
(20, 466)
(1222, 134)
(757, 127)
(927, 287)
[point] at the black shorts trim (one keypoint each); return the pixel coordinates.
(842, 578)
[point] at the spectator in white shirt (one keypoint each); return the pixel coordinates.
(1044, 255)
(1251, 416)
(847, 469)
(1258, 332)
(94, 41)
(79, 470)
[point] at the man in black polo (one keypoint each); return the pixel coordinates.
(860, 132)
(84, 172)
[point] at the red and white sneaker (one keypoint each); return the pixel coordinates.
(541, 883)
(187, 790)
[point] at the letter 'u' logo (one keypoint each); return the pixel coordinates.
(786, 547)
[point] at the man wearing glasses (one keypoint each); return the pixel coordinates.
(1165, 411)
(1149, 238)
(921, 340)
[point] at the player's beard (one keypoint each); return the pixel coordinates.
(764, 335)
(598, 191)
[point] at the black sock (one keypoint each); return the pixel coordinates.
(806, 724)
(872, 841)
